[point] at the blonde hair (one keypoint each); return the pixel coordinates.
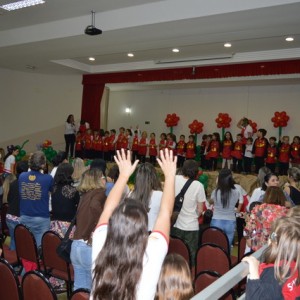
(91, 180)
(79, 168)
(285, 248)
(294, 212)
(6, 186)
(175, 280)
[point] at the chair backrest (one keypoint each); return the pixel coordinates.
(81, 294)
(241, 248)
(36, 286)
(26, 247)
(50, 242)
(211, 257)
(215, 235)
(9, 283)
(204, 279)
(178, 246)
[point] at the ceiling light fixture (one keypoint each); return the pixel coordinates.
(130, 55)
(92, 58)
(289, 39)
(21, 4)
(175, 50)
(91, 29)
(227, 45)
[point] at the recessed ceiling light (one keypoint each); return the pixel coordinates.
(92, 58)
(21, 4)
(227, 45)
(289, 39)
(175, 50)
(130, 55)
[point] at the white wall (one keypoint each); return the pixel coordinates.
(35, 107)
(203, 104)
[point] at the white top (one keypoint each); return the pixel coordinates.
(248, 151)
(70, 128)
(188, 216)
(256, 196)
(10, 160)
(248, 132)
(154, 208)
(53, 172)
(155, 253)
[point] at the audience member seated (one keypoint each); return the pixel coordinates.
(79, 169)
(292, 187)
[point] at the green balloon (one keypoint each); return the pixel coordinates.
(18, 157)
(22, 153)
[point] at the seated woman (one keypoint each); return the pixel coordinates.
(259, 222)
(147, 189)
(127, 261)
(65, 199)
(292, 188)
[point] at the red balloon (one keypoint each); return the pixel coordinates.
(276, 114)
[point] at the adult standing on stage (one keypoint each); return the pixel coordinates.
(70, 135)
(247, 130)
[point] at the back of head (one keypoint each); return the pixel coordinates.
(175, 281)
(190, 169)
(274, 195)
(37, 161)
(63, 174)
(146, 181)
(114, 172)
(22, 166)
(119, 265)
(99, 164)
(284, 250)
(294, 173)
(225, 185)
(91, 180)
(79, 168)
(59, 158)
(294, 212)
(262, 172)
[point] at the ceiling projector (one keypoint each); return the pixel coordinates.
(91, 29)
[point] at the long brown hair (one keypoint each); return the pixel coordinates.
(274, 195)
(175, 280)
(119, 265)
(285, 248)
(146, 181)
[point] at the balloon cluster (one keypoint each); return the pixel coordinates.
(253, 125)
(223, 120)
(196, 127)
(172, 120)
(203, 178)
(22, 152)
(49, 152)
(280, 119)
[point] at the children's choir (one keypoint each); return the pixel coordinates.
(244, 155)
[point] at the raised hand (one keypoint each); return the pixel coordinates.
(123, 160)
(167, 162)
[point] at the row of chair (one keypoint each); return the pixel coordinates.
(35, 286)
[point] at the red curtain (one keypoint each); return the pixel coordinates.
(93, 84)
(91, 100)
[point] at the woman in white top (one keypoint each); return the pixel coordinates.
(127, 260)
(147, 189)
(10, 159)
(70, 135)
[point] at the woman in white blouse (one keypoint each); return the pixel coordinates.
(70, 135)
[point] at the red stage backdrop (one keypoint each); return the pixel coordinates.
(93, 84)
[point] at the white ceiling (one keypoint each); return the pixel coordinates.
(50, 37)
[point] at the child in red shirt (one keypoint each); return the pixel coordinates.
(284, 149)
(88, 140)
(143, 145)
(163, 141)
(190, 148)
(152, 149)
(112, 144)
(259, 150)
(97, 145)
(213, 152)
(105, 146)
(79, 145)
(227, 146)
(135, 145)
(237, 154)
(295, 152)
(180, 149)
(271, 159)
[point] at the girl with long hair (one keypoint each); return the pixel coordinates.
(225, 198)
(10, 160)
(175, 280)
(128, 260)
(278, 277)
(148, 190)
(292, 188)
